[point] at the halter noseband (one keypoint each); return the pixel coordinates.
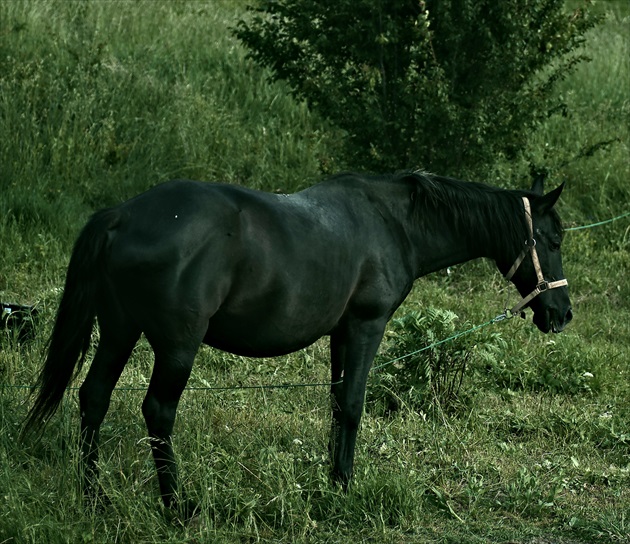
(543, 285)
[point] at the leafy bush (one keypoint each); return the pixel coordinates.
(418, 369)
(446, 85)
(430, 376)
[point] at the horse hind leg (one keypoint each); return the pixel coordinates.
(173, 365)
(117, 339)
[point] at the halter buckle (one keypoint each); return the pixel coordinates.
(542, 286)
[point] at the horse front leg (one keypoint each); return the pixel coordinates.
(352, 351)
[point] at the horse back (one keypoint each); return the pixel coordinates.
(284, 268)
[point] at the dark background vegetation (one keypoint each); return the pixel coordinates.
(448, 85)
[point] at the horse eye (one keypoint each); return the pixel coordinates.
(554, 246)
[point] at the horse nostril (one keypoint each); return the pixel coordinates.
(569, 316)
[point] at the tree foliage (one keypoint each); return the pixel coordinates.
(445, 85)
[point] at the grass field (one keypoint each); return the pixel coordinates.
(101, 100)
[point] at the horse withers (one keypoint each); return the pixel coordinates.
(260, 274)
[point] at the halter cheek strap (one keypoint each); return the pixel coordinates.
(542, 285)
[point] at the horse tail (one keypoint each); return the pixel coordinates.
(72, 332)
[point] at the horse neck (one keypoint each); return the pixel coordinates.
(464, 228)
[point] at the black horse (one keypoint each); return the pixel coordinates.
(261, 274)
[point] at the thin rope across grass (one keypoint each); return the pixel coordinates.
(499, 318)
(599, 223)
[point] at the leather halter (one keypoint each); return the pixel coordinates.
(543, 285)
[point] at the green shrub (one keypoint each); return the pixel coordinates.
(445, 85)
(422, 378)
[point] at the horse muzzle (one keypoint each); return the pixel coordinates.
(553, 319)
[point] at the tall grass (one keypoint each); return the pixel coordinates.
(100, 100)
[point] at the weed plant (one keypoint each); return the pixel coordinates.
(101, 100)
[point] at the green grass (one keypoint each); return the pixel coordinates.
(101, 100)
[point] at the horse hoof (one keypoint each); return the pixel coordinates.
(96, 501)
(189, 511)
(341, 480)
(184, 513)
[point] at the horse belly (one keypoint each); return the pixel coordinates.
(280, 300)
(263, 334)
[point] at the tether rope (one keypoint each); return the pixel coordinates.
(502, 317)
(599, 223)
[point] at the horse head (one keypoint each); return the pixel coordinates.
(537, 272)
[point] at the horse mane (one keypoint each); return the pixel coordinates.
(495, 215)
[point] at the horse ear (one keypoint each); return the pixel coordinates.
(539, 175)
(548, 201)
